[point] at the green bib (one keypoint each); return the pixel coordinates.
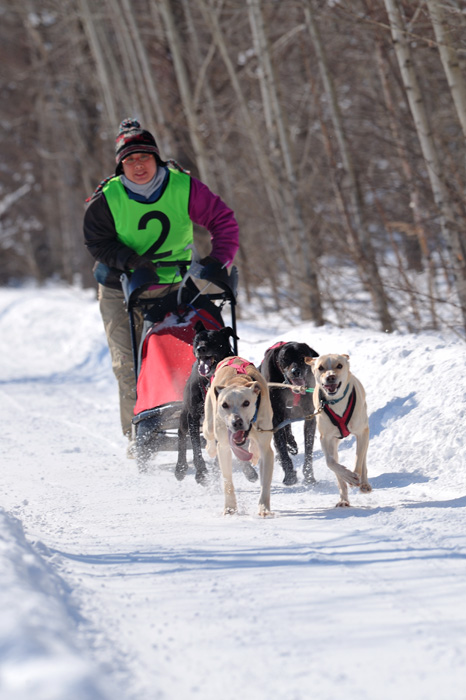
(161, 229)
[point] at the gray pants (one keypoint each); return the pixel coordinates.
(116, 324)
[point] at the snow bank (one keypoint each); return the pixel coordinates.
(38, 661)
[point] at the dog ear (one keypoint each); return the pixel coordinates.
(255, 386)
(199, 327)
(310, 361)
(217, 390)
(346, 356)
(229, 332)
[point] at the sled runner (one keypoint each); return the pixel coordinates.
(164, 358)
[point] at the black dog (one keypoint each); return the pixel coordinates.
(283, 363)
(209, 347)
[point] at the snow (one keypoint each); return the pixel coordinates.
(122, 585)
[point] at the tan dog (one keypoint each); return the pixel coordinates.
(342, 400)
(237, 410)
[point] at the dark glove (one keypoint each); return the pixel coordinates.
(108, 276)
(136, 262)
(212, 267)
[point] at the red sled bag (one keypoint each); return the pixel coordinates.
(167, 358)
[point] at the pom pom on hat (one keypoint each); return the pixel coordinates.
(131, 138)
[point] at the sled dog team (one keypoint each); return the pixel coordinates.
(242, 408)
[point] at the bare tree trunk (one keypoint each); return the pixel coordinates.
(120, 55)
(41, 107)
(222, 173)
(450, 60)
(105, 82)
(418, 256)
(249, 122)
(149, 85)
(144, 75)
(309, 293)
(449, 225)
(202, 88)
(415, 253)
(174, 43)
(268, 176)
(266, 77)
(359, 236)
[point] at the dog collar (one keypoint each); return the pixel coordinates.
(258, 403)
(254, 418)
(332, 402)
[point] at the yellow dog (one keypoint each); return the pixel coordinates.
(238, 418)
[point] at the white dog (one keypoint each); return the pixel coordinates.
(342, 400)
(238, 417)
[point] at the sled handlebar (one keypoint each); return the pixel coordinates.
(136, 283)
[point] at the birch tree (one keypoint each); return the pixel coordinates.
(359, 238)
(306, 260)
(203, 93)
(449, 225)
(450, 60)
(95, 46)
(418, 256)
(140, 77)
(269, 177)
(184, 88)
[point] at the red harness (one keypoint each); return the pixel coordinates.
(277, 345)
(341, 422)
(238, 363)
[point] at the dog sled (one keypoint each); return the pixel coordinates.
(164, 357)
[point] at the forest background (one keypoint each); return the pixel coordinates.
(335, 129)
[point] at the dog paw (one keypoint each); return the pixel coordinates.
(365, 488)
(249, 472)
(180, 471)
(202, 476)
(343, 504)
(229, 510)
(265, 512)
(290, 478)
(350, 477)
(308, 475)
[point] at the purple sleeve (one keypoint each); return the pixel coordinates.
(208, 210)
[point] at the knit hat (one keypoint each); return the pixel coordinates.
(132, 139)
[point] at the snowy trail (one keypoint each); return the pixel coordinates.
(163, 597)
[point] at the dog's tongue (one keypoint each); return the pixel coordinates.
(204, 368)
(242, 454)
(331, 388)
